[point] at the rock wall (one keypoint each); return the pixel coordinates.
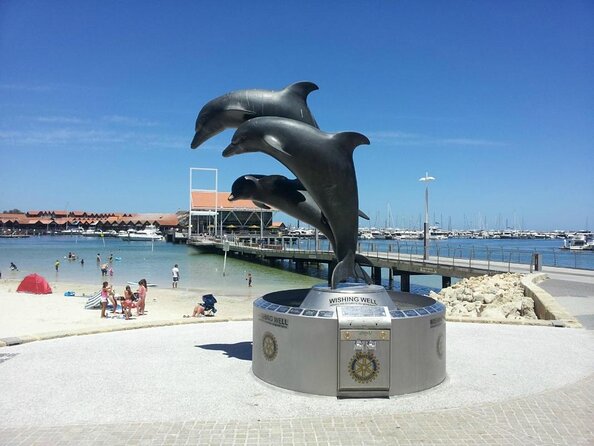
(490, 297)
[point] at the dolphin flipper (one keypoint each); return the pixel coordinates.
(363, 215)
(261, 205)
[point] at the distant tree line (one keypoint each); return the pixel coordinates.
(13, 211)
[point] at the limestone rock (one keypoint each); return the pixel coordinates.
(491, 297)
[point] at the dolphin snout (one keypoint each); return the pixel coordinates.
(231, 150)
(199, 138)
(231, 197)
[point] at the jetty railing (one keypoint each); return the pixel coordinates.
(455, 253)
(451, 254)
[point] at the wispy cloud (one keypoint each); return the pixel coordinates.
(400, 138)
(129, 121)
(26, 87)
(57, 137)
(60, 120)
(470, 142)
(75, 139)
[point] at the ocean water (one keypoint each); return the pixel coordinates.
(204, 272)
(138, 259)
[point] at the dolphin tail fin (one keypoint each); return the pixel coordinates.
(302, 89)
(351, 140)
(349, 268)
(344, 270)
(359, 261)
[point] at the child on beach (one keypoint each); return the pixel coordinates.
(141, 297)
(106, 291)
(128, 302)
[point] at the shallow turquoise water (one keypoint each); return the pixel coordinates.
(152, 261)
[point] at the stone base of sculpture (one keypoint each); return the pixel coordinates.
(352, 341)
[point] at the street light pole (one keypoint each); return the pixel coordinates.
(426, 179)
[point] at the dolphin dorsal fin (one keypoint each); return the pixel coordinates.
(350, 140)
(302, 89)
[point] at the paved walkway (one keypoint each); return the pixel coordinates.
(192, 384)
(576, 297)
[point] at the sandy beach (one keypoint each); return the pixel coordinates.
(53, 315)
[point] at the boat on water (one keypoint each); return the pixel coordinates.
(579, 242)
(301, 233)
(149, 233)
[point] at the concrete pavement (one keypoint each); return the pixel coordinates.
(192, 384)
(576, 297)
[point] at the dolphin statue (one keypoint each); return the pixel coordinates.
(288, 196)
(232, 109)
(323, 162)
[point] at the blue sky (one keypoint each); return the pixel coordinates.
(98, 101)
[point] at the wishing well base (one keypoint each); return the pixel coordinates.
(354, 341)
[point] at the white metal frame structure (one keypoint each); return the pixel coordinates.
(214, 213)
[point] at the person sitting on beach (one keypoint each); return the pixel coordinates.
(204, 308)
(142, 289)
(13, 267)
(198, 311)
(128, 302)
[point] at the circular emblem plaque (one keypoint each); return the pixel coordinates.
(269, 346)
(364, 367)
(440, 346)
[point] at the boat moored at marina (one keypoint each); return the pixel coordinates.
(579, 242)
(149, 233)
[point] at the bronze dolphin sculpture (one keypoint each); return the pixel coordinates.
(288, 196)
(323, 162)
(236, 107)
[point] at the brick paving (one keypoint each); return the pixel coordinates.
(557, 417)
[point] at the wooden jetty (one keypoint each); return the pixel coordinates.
(396, 263)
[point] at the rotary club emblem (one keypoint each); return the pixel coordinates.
(364, 367)
(269, 346)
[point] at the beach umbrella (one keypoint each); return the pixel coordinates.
(34, 284)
